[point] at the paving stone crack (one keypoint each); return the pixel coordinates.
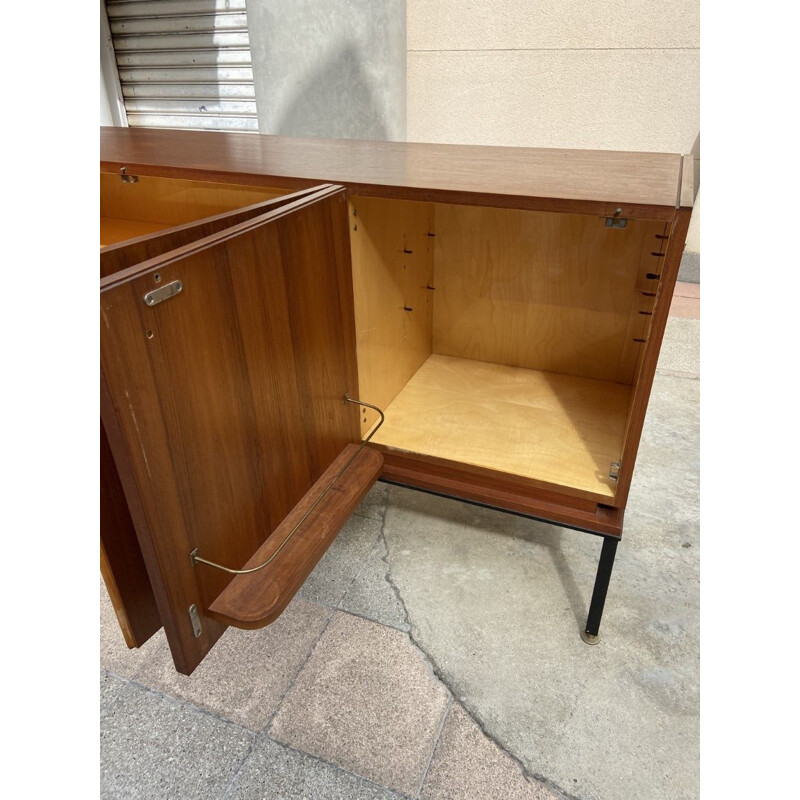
(435, 743)
(529, 775)
(337, 767)
(290, 685)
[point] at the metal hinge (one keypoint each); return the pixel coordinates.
(613, 472)
(194, 616)
(163, 293)
(616, 221)
(125, 178)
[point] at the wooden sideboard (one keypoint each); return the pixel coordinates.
(285, 321)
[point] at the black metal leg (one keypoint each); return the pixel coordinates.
(591, 634)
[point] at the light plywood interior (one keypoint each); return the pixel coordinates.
(119, 230)
(392, 257)
(556, 292)
(553, 429)
(521, 349)
(499, 338)
(128, 210)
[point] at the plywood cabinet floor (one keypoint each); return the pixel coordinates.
(558, 429)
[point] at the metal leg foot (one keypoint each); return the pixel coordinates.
(591, 634)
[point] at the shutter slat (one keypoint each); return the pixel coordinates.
(190, 105)
(186, 74)
(194, 23)
(182, 58)
(143, 8)
(241, 91)
(218, 40)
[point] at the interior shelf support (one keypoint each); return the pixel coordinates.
(591, 634)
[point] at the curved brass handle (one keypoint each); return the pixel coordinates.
(196, 559)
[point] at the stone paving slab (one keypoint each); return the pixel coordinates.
(155, 747)
(276, 772)
(336, 570)
(467, 764)
(110, 687)
(680, 351)
(367, 701)
(246, 674)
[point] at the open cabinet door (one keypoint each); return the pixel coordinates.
(121, 563)
(225, 364)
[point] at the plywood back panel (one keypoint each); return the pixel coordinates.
(172, 201)
(392, 270)
(556, 292)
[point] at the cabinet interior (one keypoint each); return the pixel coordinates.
(503, 339)
(151, 204)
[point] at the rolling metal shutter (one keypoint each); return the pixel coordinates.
(184, 63)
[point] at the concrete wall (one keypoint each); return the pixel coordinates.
(621, 75)
(333, 68)
(105, 107)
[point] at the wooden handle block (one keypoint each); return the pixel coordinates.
(255, 600)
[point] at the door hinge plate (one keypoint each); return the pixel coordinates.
(194, 616)
(613, 473)
(123, 174)
(163, 293)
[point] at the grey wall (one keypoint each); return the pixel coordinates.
(333, 68)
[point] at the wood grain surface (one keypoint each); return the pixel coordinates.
(555, 292)
(392, 272)
(174, 201)
(255, 600)
(131, 252)
(654, 335)
(557, 430)
(121, 563)
(643, 185)
(227, 399)
(114, 230)
(506, 492)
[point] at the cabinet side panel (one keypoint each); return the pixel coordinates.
(538, 290)
(392, 257)
(652, 347)
(121, 561)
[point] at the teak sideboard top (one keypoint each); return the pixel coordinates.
(643, 185)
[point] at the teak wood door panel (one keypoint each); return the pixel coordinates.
(122, 565)
(224, 403)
